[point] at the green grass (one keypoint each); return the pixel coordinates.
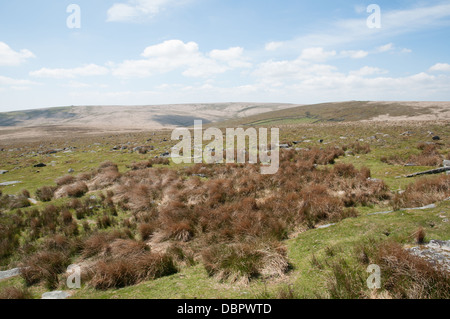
(308, 281)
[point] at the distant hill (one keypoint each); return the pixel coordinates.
(144, 117)
(221, 114)
(348, 112)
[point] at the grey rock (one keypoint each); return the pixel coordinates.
(381, 213)
(436, 252)
(325, 226)
(40, 165)
(71, 170)
(410, 165)
(9, 273)
(55, 295)
(436, 138)
(10, 183)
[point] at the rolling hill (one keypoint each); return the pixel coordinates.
(348, 112)
(132, 117)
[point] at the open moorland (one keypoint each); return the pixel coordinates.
(112, 202)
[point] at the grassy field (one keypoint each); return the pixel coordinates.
(158, 194)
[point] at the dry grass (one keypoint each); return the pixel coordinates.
(45, 193)
(423, 192)
(65, 180)
(14, 293)
(411, 277)
(44, 266)
(237, 262)
(121, 272)
(403, 276)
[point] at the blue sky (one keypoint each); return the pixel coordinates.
(197, 51)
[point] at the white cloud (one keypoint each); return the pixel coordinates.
(227, 55)
(355, 54)
(86, 70)
(7, 83)
(316, 54)
(175, 54)
(233, 56)
(367, 70)
(386, 47)
(171, 49)
(14, 82)
(135, 9)
(394, 23)
(440, 67)
(9, 57)
(272, 46)
(406, 50)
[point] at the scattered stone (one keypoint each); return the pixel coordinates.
(325, 226)
(40, 165)
(33, 201)
(447, 164)
(381, 213)
(436, 138)
(421, 208)
(165, 154)
(9, 273)
(199, 175)
(56, 295)
(71, 170)
(3, 172)
(436, 252)
(349, 153)
(410, 164)
(10, 183)
(284, 146)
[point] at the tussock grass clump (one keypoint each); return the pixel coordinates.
(357, 148)
(160, 161)
(424, 191)
(236, 262)
(419, 235)
(146, 231)
(100, 242)
(403, 275)
(14, 293)
(122, 272)
(141, 165)
(44, 266)
(45, 193)
(345, 170)
(411, 277)
(346, 282)
(65, 180)
(77, 190)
